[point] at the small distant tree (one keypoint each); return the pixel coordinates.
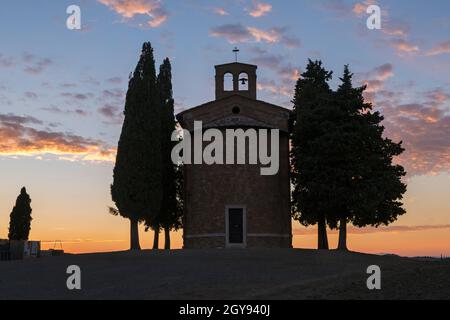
(137, 185)
(20, 218)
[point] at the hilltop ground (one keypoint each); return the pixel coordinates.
(225, 274)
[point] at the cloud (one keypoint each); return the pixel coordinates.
(31, 95)
(57, 110)
(35, 65)
(113, 93)
(221, 11)
(235, 33)
(359, 9)
(424, 131)
(112, 113)
(404, 46)
(277, 63)
(418, 111)
(395, 29)
(77, 96)
(423, 125)
(437, 97)
(441, 48)
(275, 88)
(383, 72)
(15, 119)
(6, 62)
(259, 9)
(91, 81)
(370, 230)
(108, 111)
(269, 36)
(114, 80)
(69, 85)
(268, 60)
(287, 74)
(19, 138)
(375, 79)
(130, 8)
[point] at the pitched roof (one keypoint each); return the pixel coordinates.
(233, 97)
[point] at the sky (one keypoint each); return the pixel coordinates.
(62, 94)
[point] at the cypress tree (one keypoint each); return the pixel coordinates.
(372, 186)
(171, 208)
(20, 217)
(137, 186)
(310, 168)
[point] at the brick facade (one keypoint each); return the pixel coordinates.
(210, 190)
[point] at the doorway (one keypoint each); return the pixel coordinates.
(236, 226)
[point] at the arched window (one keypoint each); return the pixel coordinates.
(228, 82)
(243, 82)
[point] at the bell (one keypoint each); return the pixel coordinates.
(243, 81)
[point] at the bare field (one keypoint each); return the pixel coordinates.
(225, 274)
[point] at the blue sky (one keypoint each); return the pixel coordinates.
(62, 91)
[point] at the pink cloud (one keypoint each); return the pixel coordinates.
(440, 48)
(259, 9)
(424, 132)
(375, 79)
(423, 126)
(404, 46)
(18, 137)
(220, 11)
(235, 33)
(130, 8)
(275, 88)
(269, 36)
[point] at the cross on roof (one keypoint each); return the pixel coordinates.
(236, 51)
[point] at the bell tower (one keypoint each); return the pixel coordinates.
(236, 78)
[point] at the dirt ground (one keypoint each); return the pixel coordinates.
(225, 274)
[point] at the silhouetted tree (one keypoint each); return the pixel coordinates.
(369, 185)
(154, 225)
(171, 209)
(310, 169)
(20, 218)
(137, 186)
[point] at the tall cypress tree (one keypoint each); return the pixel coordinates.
(137, 186)
(171, 206)
(371, 188)
(20, 218)
(310, 168)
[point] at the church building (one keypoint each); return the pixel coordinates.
(234, 205)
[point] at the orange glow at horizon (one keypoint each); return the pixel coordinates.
(70, 203)
(414, 243)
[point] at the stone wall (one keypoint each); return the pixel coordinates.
(209, 189)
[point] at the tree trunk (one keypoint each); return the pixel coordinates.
(342, 234)
(167, 238)
(156, 240)
(322, 234)
(134, 235)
